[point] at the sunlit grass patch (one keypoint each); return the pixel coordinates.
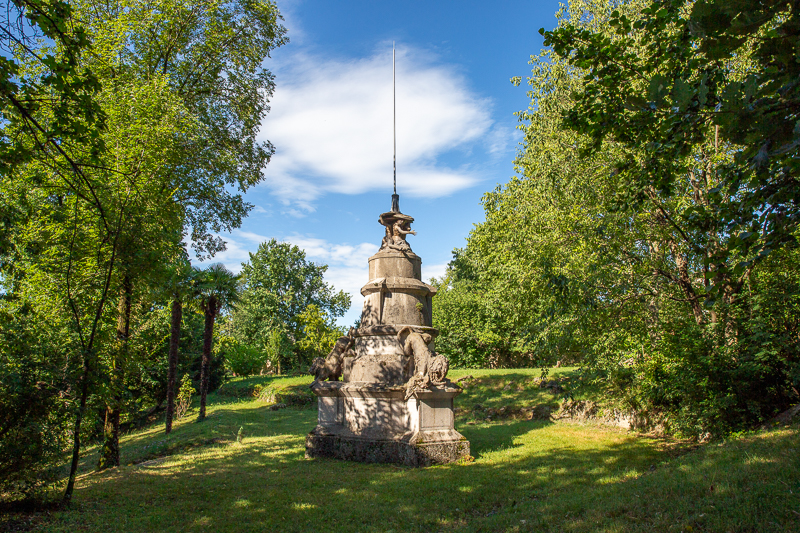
(528, 475)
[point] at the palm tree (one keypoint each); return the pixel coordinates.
(180, 286)
(109, 451)
(216, 288)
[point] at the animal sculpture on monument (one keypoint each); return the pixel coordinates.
(331, 367)
(429, 368)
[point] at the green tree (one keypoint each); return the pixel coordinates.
(34, 416)
(49, 114)
(148, 372)
(216, 288)
(180, 288)
(319, 332)
(240, 359)
(703, 100)
(277, 284)
(180, 83)
(278, 348)
(644, 285)
(120, 29)
(46, 93)
(476, 328)
(211, 58)
(705, 91)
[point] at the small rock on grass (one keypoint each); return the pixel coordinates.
(540, 412)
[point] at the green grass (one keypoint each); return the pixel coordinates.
(528, 475)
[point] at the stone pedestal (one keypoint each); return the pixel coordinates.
(372, 423)
(379, 413)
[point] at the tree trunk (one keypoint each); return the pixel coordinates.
(76, 432)
(685, 283)
(109, 452)
(205, 366)
(174, 337)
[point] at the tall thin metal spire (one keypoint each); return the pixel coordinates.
(394, 118)
(395, 197)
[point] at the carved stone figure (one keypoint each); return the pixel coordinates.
(332, 366)
(438, 368)
(398, 226)
(429, 368)
(400, 229)
(387, 239)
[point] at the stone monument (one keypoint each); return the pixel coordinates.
(394, 403)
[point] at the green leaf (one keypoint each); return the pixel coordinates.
(658, 89)
(702, 93)
(682, 93)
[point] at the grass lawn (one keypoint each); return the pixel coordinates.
(528, 475)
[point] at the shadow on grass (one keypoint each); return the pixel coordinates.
(221, 426)
(528, 476)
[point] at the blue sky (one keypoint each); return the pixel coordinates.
(331, 124)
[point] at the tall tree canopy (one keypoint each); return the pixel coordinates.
(209, 57)
(667, 81)
(638, 239)
(46, 93)
(160, 146)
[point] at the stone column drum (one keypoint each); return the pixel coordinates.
(386, 409)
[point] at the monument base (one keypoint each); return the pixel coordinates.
(373, 423)
(384, 451)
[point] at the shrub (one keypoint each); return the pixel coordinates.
(184, 396)
(34, 417)
(241, 359)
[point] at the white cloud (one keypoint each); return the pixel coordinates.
(251, 237)
(433, 271)
(322, 251)
(501, 139)
(331, 124)
(297, 213)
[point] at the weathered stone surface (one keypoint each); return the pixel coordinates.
(393, 330)
(378, 345)
(374, 367)
(332, 366)
(385, 451)
(395, 403)
(391, 263)
(394, 300)
(361, 407)
(381, 356)
(375, 423)
(397, 226)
